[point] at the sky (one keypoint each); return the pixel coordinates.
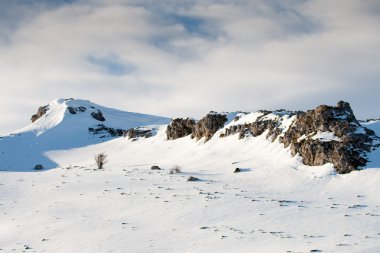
(186, 58)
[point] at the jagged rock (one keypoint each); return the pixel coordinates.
(41, 112)
(101, 129)
(138, 132)
(74, 110)
(237, 170)
(208, 126)
(155, 167)
(98, 116)
(346, 145)
(346, 152)
(179, 128)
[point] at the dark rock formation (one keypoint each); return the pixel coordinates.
(179, 128)
(208, 126)
(258, 127)
(74, 110)
(41, 112)
(39, 167)
(155, 167)
(347, 153)
(192, 179)
(98, 116)
(347, 144)
(138, 132)
(104, 131)
(237, 170)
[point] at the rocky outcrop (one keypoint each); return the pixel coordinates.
(104, 131)
(327, 134)
(208, 126)
(98, 116)
(41, 112)
(347, 150)
(134, 133)
(179, 128)
(74, 110)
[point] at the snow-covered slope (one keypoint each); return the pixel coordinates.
(275, 204)
(60, 129)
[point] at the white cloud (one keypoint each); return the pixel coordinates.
(180, 59)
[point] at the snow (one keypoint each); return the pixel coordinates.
(61, 130)
(276, 204)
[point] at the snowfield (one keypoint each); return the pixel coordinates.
(275, 204)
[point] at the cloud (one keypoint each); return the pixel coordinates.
(186, 58)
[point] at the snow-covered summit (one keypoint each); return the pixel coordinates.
(66, 124)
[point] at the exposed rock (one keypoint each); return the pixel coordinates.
(101, 129)
(208, 126)
(74, 110)
(98, 116)
(326, 134)
(347, 153)
(191, 179)
(138, 132)
(155, 167)
(261, 125)
(179, 128)
(237, 170)
(41, 112)
(39, 167)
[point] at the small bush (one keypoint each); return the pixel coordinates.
(175, 169)
(100, 160)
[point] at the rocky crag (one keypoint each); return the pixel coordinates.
(327, 134)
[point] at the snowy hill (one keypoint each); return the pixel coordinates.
(275, 203)
(67, 124)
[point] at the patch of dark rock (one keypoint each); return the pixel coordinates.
(74, 110)
(192, 179)
(41, 112)
(39, 167)
(179, 128)
(237, 170)
(155, 167)
(137, 132)
(315, 250)
(101, 129)
(357, 206)
(98, 116)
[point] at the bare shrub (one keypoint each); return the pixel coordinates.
(100, 160)
(175, 169)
